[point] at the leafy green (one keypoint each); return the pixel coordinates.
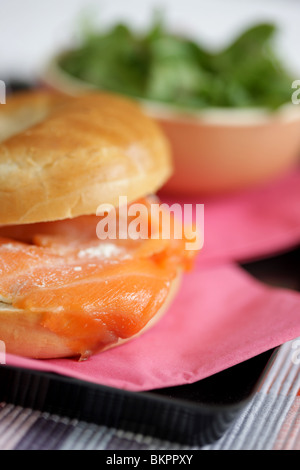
(170, 68)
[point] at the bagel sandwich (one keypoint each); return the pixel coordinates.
(65, 291)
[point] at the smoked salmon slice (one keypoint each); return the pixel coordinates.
(91, 292)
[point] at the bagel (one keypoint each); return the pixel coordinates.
(63, 291)
(64, 157)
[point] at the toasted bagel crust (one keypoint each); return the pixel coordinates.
(62, 157)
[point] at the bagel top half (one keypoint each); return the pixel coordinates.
(61, 157)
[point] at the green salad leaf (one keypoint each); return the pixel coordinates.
(170, 68)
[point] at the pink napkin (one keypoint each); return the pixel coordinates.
(221, 315)
(251, 224)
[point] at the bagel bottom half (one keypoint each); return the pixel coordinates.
(24, 335)
(66, 293)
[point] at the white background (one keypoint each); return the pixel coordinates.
(31, 31)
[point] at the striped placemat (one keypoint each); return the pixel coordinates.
(270, 421)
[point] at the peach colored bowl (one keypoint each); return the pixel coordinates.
(216, 150)
(227, 150)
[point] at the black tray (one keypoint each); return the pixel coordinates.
(194, 414)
